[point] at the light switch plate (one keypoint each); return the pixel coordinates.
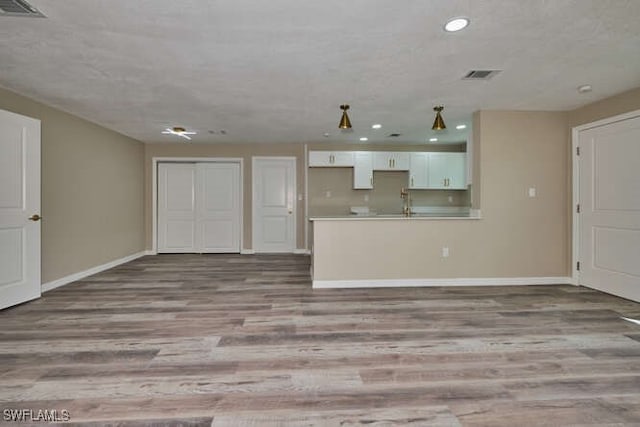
(532, 192)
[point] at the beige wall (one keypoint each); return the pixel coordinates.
(518, 236)
(608, 107)
(244, 151)
(92, 190)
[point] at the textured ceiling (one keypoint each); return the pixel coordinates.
(276, 71)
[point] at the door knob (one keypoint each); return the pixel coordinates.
(35, 217)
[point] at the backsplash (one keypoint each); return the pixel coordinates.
(331, 193)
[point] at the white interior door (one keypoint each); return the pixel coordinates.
(199, 207)
(218, 207)
(274, 189)
(19, 209)
(609, 219)
(176, 208)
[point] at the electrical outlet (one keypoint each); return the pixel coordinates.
(300, 198)
(327, 194)
(532, 192)
(366, 197)
(450, 199)
(445, 252)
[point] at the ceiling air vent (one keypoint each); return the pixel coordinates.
(393, 135)
(18, 8)
(480, 74)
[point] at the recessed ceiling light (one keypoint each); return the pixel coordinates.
(456, 24)
(584, 88)
(376, 126)
(326, 134)
(433, 139)
(461, 127)
(364, 138)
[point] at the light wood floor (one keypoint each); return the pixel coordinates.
(229, 340)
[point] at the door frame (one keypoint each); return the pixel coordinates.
(575, 132)
(154, 194)
(294, 160)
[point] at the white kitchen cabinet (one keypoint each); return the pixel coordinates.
(418, 171)
(447, 171)
(363, 170)
(331, 159)
(390, 161)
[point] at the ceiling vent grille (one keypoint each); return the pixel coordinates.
(18, 8)
(480, 74)
(393, 135)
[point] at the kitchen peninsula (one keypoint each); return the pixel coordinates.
(380, 218)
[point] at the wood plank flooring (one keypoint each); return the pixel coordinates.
(230, 340)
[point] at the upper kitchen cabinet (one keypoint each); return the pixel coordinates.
(363, 170)
(447, 171)
(331, 159)
(390, 161)
(418, 171)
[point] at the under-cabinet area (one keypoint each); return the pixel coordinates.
(359, 182)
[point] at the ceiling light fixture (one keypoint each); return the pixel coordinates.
(456, 24)
(345, 123)
(433, 139)
(584, 89)
(438, 123)
(180, 131)
(364, 138)
(461, 127)
(376, 126)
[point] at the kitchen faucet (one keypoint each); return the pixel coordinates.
(406, 201)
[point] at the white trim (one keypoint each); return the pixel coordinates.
(609, 120)
(148, 252)
(473, 281)
(94, 270)
(306, 196)
(247, 251)
(575, 187)
(154, 190)
(302, 251)
(575, 199)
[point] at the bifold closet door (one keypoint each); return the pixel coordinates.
(218, 207)
(176, 207)
(198, 207)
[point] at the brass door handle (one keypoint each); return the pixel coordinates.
(35, 217)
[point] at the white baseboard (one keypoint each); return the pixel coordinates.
(150, 252)
(302, 251)
(247, 252)
(94, 270)
(474, 281)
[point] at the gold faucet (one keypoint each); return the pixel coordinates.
(406, 204)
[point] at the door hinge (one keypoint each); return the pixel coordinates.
(578, 208)
(578, 266)
(577, 151)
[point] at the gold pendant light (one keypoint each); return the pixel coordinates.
(438, 123)
(345, 123)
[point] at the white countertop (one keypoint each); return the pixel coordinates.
(456, 215)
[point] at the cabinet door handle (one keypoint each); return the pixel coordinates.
(394, 162)
(412, 181)
(389, 162)
(331, 158)
(371, 180)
